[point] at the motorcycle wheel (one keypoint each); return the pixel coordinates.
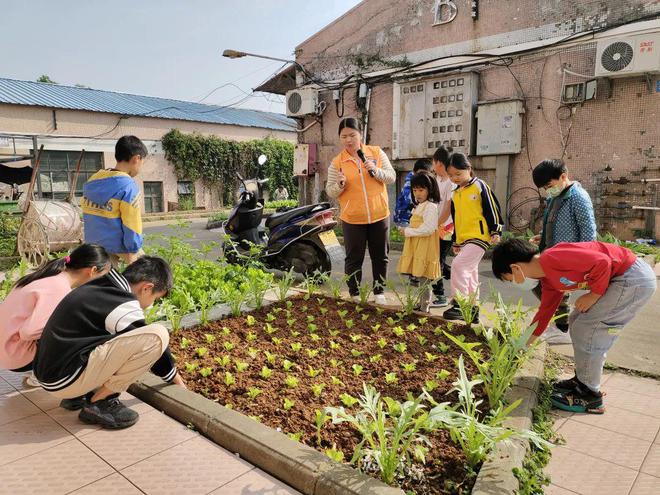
(304, 259)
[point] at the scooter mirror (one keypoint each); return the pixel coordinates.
(262, 159)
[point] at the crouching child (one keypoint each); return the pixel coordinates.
(96, 343)
(619, 285)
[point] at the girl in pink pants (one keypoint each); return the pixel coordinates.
(477, 225)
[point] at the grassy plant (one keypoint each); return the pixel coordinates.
(468, 305)
(507, 346)
(284, 284)
(407, 294)
(223, 361)
(392, 435)
(320, 419)
(364, 291)
(258, 282)
(313, 282)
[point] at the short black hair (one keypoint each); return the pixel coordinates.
(129, 146)
(442, 154)
(351, 123)
(150, 269)
(511, 252)
(422, 164)
(425, 179)
(548, 170)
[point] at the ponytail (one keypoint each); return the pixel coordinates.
(460, 162)
(84, 256)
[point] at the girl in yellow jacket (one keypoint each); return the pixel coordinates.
(357, 179)
(477, 225)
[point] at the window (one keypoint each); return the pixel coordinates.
(443, 99)
(185, 188)
(459, 128)
(435, 115)
(57, 169)
(443, 128)
(461, 142)
(451, 113)
(436, 100)
(435, 130)
(454, 143)
(444, 84)
(436, 85)
(438, 144)
(459, 97)
(413, 89)
(430, 145)
(443, 115)
(153, 197)
(459, 113)
(460, 81)
(450, 128)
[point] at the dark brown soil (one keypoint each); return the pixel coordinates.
(445, 470)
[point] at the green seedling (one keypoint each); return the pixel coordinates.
(288, 404)
(184, 343)
(291, 382)
(336, 381)
(206, 371)
(357, 369)
(241, 366)
(288, 365)
(355, 337)
(398, 331)
(228, 346)
(251, 320)
(191, 367)
(356, 353)
(312, 373)
(382, 343)
(296, 346)
(270, 357)
(270, 317)
(229, 379)
(266, 373)
(430, 385)
(209, 338)
(400, 347)
(201, 351)
(317, 389)
(391, 378)
(312, 353)
(334, 345)
(375, 358)
(409, 367)
(430, 357)
(223, 361)
(349, 323)
(442, 374)
(348, 400)
(253, 392)
(251, 337)
(336, 363)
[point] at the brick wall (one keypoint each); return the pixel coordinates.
(621, 128)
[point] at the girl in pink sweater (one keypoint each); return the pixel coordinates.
(25, 311)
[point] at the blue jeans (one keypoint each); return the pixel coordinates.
(593, 333)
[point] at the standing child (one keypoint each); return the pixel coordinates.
(477, 225)
(619, 285)
(404, 201)
(421, 255)
(445, 223)
(569, 217)
(111, 204)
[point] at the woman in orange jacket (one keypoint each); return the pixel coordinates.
(357, 178)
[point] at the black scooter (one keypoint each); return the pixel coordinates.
(300, 238)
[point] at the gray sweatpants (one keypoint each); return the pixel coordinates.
(594, 332)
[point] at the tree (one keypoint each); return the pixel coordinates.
(44, 78)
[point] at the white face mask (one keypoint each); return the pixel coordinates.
(526, 284)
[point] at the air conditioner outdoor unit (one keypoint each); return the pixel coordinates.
(628, 57)
(301, 102)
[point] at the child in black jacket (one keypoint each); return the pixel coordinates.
(96, 343)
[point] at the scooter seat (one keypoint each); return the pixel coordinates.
(279, 218)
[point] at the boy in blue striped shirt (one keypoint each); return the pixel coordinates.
(111, 204)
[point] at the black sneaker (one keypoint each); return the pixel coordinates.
(581, 400)
(563, 386)
(109, 413)
(439, 301)
(76, 403)
(562, 326)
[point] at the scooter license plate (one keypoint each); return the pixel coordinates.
(329, 238)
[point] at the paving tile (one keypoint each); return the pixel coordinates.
(42, 399)
(14, 406)
(134, 403)
(28, 436)
(651, 464)
(632, 401)
(257, 482)
(54, 471)
(625, 422)
(115, 484)
(70, 422)
(14, 379)
(587, 475)
(153, 433)
(5, 387)
(557, 490)
(196, 466)
(646, 485)
(637, 384)
(606, 445)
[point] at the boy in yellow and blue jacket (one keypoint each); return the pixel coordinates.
(111, 203)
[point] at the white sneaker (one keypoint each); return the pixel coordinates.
(553, 335)
(380, 299)
(30, 381)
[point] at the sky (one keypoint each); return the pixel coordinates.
(164, 48)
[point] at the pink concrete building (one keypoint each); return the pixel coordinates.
(509, 83)
(68, 119)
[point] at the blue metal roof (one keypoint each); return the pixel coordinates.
(95, 100)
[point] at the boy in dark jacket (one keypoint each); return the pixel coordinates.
(404, 204)
(96, 343)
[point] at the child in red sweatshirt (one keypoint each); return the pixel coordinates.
(619, 285)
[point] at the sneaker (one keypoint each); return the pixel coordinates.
(565, 385)
(74, 404)
(553, 335)
(581, 400)
(30, 381)
(439, 301)
(380, 299)
(109, 413)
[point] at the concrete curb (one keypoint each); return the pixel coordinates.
(496, 475)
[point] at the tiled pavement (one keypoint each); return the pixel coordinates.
(45, 449)
(617, 453)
